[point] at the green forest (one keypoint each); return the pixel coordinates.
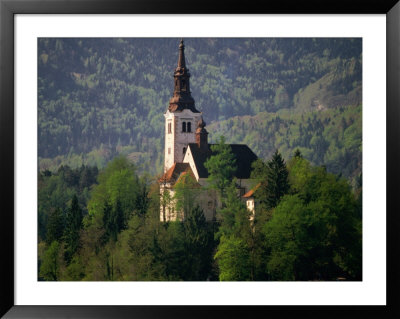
(307, 225)
(295, 102)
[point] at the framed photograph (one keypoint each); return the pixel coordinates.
(99, 196)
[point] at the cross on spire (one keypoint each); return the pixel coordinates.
(181, 59)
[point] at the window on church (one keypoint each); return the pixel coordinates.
(183, 85)
(183, 126)
(169, 150)
(169, 128)
(189, 127)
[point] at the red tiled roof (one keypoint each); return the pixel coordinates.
(251, 191)
(167, 175)
(173, 174)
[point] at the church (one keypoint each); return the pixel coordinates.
(187, 149)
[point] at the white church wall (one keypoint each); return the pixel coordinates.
(177, 140)
(189, 159)
(206, 199)
(168, 211)
(182, 139)
(169, 150)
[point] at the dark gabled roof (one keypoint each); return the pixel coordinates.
(243, 154)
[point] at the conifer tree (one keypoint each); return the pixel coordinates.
(234, 253)
(118, 218)
(73, 226)
(277, 183)
(273, 177)
(107, 220)
(55, 226)
(198, 241)
(113, 220)
(297, 153)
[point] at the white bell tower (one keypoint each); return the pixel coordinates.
(181, 117)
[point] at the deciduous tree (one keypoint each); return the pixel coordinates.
(221, 166)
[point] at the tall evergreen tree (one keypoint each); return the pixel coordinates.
(235, 253)
(55, 226)
(107, 220)
(142, 199)
(273, 177)
(277, 183)
(73, 226)
(113, 220)
(297, 153)
(119, 217)
(198, 244)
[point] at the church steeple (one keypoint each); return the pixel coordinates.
(181, 118)
(181, 59)
(182, 98)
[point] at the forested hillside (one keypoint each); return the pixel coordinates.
(331, 138)
(101, 97)
(295, 102)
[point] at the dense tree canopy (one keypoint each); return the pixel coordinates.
(313, 232)
(316, 232)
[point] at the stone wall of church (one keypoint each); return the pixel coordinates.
(167, 208)
(169, 140)
(206, 199)
(182, 139)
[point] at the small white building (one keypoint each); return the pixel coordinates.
(250, 201)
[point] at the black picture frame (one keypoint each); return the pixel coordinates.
(8, 8)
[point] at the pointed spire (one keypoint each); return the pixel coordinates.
(181, 59)
(182, 99)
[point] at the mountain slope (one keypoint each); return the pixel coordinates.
(100, 97)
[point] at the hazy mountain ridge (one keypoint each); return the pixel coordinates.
(100, 97)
